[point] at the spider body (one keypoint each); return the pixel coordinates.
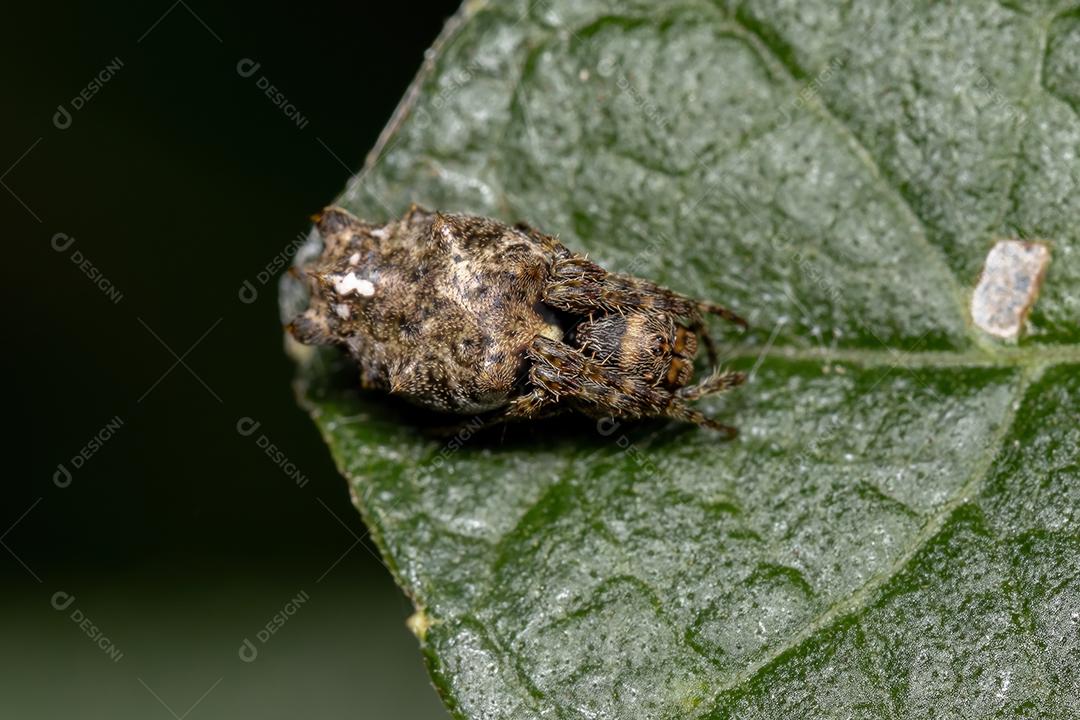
(467, 315)
(651, 345)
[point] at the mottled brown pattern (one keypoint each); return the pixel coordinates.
(464, 314)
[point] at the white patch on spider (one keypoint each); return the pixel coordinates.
(350, 283)
(1008, 287)
(342, 310)
(380, 233)
(354, 258)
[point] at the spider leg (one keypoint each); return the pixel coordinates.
(578, 285)
(681, 411)
(536, 404)
(718, 382)
(416, 210)
(561, 373)
(698, 328)
(527, 407)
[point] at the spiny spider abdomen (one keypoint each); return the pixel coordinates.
(467, 315)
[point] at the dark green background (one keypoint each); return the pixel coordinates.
(179, 180)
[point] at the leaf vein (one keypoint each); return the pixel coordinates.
(859, 599)
(935, 253)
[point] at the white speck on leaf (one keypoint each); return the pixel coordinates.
(1006, 680)
(1009, 286)
(419, 623)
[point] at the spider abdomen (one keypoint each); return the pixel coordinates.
(437, 308)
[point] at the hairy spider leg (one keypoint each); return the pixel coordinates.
(718, 382)
(579, 285)
(562, 374)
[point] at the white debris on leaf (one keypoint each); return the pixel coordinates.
(419, 623)
(1009, 286)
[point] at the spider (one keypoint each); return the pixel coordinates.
(467, 315)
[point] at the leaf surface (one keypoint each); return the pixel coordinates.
(895, 532)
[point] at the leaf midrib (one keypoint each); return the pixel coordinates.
(1027, 357)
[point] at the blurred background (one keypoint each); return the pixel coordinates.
(158, 162)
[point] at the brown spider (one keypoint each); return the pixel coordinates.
(467, 315)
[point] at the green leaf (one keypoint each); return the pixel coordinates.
(896, 532)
